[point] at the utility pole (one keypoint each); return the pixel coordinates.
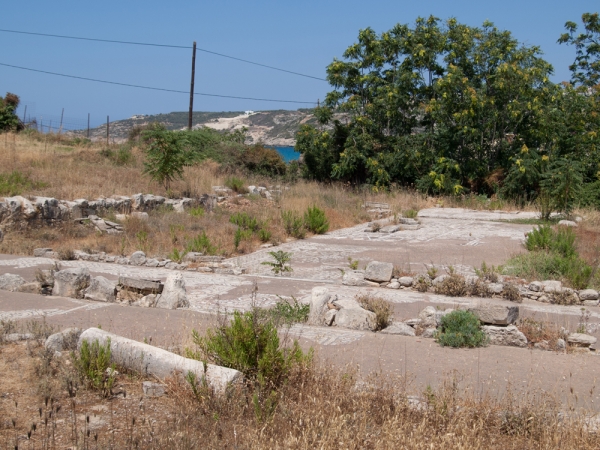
(107, 130)
(24, 113)
(192, 86)
(61, 120)
(88, 131)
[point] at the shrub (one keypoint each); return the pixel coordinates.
(315, 220)
(15, 183)
(197, 212)
(236, 185)
(251, 346)
(421, 284)
(453, 286)
(561, 241)
(262, 160)
(264, 235)
(461, 329)
(8, 119)
(177, 255)
(293, 224)
(280, 265)
(93, 364)
(511, 292)
(487, 273)
(244, 221)
(286, 313)
(202, 244)
(382, 308)
(479, 289)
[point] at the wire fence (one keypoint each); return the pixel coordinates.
(53, 123)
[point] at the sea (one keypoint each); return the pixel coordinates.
(288, 153)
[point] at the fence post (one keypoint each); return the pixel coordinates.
(88, 131)
(107, 130)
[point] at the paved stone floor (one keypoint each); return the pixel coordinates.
(460, 238)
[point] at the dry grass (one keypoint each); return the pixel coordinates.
(537, 332)
(317, 408)
(383, 309)
(67, 172)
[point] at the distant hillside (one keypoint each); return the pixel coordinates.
(276, 128)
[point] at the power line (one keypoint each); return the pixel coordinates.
(164, 45)
(153, 88)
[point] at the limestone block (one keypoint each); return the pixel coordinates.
(581, 340)
(173, 295)
(406, 281)
(588, 294)
(11, 282)
(152, 361)
(101, 290)
(138, 258)
(71, 282)
(510, 335)
(355, 319)
(63, 340)
(353, 278)
(399, 328)
(319, 298)
(379, 271)
(496, 314)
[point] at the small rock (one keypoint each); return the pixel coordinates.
(439, 280)
(406, 281)
(330, 317)
(41, 252)
(510, 335)
(588, 294)
(140, 215)
(581, 340)
(561, 344)
(535, 286)
(64, 340)
(429, 333)
(31, 288)
(11, 282)
(393, 285)
(542, 345)
(71, 282)
(138, 258)
(495, 288)
(552, 286)
(16, 337)
(355, 319)
(153, 389)
(428, 317)
(148, 301)
(567, 223)
(399, 328)
(590, 303)
(151, 262)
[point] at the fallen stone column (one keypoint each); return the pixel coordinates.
(149, 360)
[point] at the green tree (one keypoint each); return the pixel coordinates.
(586, 67)
(8, 118)
(166, 155)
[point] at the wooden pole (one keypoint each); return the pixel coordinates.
(107, 130)
(61, 120)
(192, 87)
(88, 133)
(24, 114)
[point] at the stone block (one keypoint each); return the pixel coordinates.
(581, 340)
(379, 271)
(496, 314)
(11, 282)
(71, 282)
(153, 361)
(173, 295)
(510, 335)
(588, 294)
(101, 290)
(400, 329)
(144, 286)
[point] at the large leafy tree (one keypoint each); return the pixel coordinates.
(586, 67)
(8, 117)
(440, 105)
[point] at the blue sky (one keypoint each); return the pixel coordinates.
(299, 36)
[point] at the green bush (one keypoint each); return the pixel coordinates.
(293, 224)
(8, 119)
(16, 183)
(236, 185)
(461, 329)
(251, 346)
(244, 221)
(93, 365)
(286, 313)
(264, 235)
(202, 244)
(262, 160)
(315, 220)
(280, 265)
(552, 255)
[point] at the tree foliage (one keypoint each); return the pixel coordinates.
(8, 117)
(453, 109)
(586, 67)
